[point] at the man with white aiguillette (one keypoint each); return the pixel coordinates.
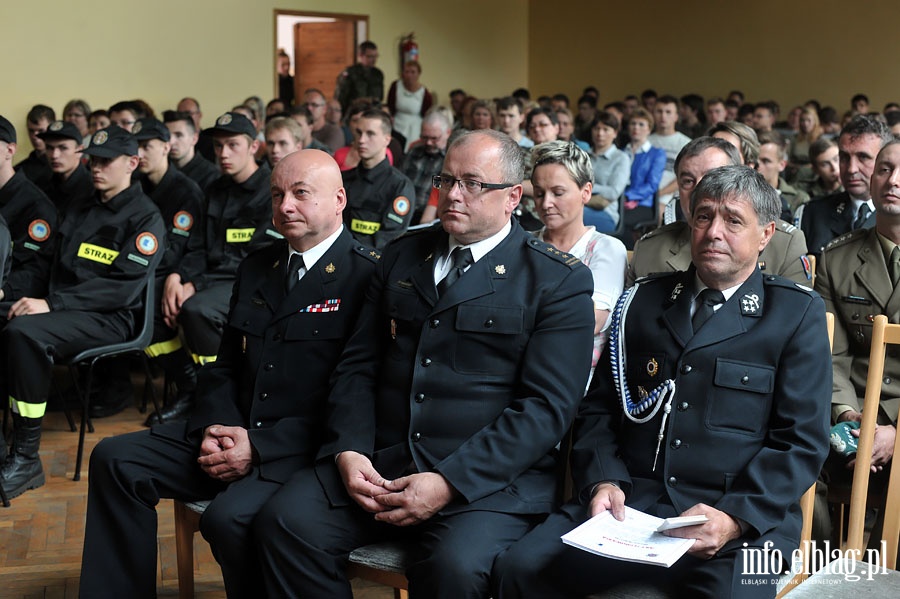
(464, 372)
(110, 243)
(379, 197)
(710, 399)
(238, 220)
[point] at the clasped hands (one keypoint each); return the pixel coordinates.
(225, 452)
(882, 444)
(710, 536)
(403, 501)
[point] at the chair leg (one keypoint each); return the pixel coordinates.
(187, 523)
(148, 386)
(85, 419)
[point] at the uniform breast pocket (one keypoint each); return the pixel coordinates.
(96, 254)
(250, 319)
(488, 339)
(741, 397)
(400, 304)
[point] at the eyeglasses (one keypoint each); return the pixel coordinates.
(469, 186)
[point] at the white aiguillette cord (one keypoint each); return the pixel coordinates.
(661, 396)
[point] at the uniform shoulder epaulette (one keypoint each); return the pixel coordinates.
(780, 281)
(846, 238)
(550, 251)
(786, 226)
(654, 276)
(677, 226)
(369, 253)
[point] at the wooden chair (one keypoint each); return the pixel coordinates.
(382, 563)
(882, 335)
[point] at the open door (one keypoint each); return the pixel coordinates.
(322, 51)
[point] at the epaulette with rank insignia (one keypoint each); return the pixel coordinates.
(548, 250)
(653, 276)
(845, 238)
(370, 253)
(663, 229)
(787, 284)
(785, 226)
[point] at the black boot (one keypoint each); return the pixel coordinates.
(114, 391)
(185, 380)
(22, 470)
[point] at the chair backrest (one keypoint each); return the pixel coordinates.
(882, 335)
(145, 333)
(812, 279)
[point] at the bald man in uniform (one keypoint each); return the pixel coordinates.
(257, 422)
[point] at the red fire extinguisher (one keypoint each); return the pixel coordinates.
(409, 50)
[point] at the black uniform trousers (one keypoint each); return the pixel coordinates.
(453, 559)
(203, 317)
(33, 342)
(541, 566)
(129, 474)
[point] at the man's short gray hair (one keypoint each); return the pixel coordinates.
(739, 182)
(437, 117)
(575, 160)
(697, 146)
(511, 162)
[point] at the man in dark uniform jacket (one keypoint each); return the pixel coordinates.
(825, 218)
(31, 219)
(184, 155)
(238, 220)
(668, 248)
(727, 419)
(361, 80)
(450, 398)
(35, 165)
(260, 405)
(71, 182)
(380, 198)
(109, 247)
(5, 262)
(180, 202)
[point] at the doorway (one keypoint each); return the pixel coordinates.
(318, 45)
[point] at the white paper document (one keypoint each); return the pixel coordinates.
(634, 540)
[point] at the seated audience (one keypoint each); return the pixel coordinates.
(612, 171)
(647, 166)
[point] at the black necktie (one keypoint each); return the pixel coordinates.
(293, 272)
(861, 216)
(462, 259)
(707, 301)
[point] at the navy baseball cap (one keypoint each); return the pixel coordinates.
(62, 130)
(112, 142)
(7, 131)
(232, 123)
(150, 128)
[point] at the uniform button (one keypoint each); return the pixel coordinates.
(269, 366)
(416, 436)
(435, 323)
(315, 331)
(263, 396)
(675, 444)
(686, 368)
(426, 361)
(887, 380)
(488, 323)
(683, 406)
(745, 379)
(258, 424)
(855, 316)
(276, 337)
(420, 397)
(673, 482)
(770, 278)
(246, 322)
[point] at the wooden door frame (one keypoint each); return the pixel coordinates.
(355, 18)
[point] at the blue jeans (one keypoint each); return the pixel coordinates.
(602, 221)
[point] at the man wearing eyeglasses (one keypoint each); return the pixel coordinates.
(322, 130)
(424, 160)
(469, 358)
(379, 197)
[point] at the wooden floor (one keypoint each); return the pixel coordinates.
(41, 534)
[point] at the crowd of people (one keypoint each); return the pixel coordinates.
(380, 320)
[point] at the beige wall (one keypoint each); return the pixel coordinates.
(221, 51)
(787, 51)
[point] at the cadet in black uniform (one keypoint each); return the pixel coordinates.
(31, 219)
(179, 201)
(109, 246)
(379, 197)
(238, 220)
(5, 252)
(71, 181)
(253, 393)
(35, 165)
(183, 154)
